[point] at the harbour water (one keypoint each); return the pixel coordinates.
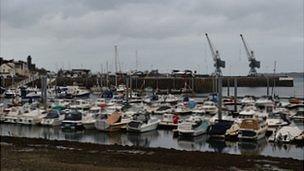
(165, 138)
(158, 138)
(296, 91)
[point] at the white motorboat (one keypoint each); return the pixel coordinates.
(193, 126)
(248, 100)
(121, 88)
(287, 134)
(88, 121)
(113, 122)
(89, 118)
(253, 129)
(170, 99)
(264, 101)
(198, 109)
(142, 122)
(76, 91)
(210, 107)
(13, 114)
(32, 117)
(169, 120)
(162, 109)
(60, 104)
(9, 93)
(298, 116)
(35, 94)
(247, 112)
(277, 120)
(53, 118)
(81, 105)
(2, 114)
(181, 110)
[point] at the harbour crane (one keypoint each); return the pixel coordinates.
(218, 63)
(253, 63)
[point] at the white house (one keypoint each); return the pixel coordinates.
(7, 70)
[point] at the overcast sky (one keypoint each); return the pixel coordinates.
(168, 34)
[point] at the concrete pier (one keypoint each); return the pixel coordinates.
(195, 84)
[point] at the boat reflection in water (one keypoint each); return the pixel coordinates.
(252, 147)
(222, 146)
(157, 138)
(192, 143)
(142, 139)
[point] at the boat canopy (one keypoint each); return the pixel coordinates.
(52, 114)
(73, 115)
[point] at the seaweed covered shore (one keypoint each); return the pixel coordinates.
(19, 153)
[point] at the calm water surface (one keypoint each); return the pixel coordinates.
(158, 138)
(165, 139)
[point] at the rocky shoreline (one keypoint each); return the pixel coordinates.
(40, 154)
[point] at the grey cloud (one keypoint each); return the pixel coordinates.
(168, 34)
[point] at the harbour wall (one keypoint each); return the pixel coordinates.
(195, 84)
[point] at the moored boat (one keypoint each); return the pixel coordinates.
(253, 129)
(142, 122)
(72, 120)
(169, 120)
(193, 126)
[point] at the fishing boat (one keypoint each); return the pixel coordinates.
(53, 118)
(142, 122)
(169, 120)
(253, 129)
(193, 126)
(72, 120)
(112, 122)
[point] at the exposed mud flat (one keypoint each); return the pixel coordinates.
(40, 154)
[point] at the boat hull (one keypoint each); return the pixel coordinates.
(143, 127)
